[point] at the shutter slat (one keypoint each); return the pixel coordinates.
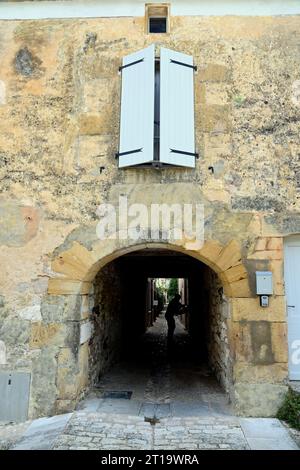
(177, 135)
(137, 108)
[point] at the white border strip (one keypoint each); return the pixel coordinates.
(114, 8)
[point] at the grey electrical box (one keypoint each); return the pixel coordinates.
(264, 283)
(14, 396)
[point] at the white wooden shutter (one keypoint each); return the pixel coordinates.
(177, 136)
(137, 108)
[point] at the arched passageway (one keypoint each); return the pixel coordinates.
(100, 288)
(129, 351)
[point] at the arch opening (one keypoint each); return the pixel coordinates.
(129, 349)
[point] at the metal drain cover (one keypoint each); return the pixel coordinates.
(155, 411)
(126, 395)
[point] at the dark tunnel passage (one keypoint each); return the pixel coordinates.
(136, 270)
(129, 348)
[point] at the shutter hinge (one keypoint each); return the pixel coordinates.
(181, 152)
(185, 65)
(118, 154)
(129, 65)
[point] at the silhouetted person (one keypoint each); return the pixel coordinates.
(173, 309)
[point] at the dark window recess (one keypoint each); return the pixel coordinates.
(157, 25)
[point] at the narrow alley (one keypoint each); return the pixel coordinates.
(162, 381)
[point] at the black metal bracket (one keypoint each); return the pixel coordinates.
(181, 152)
(185, 65)
(129, 65)
(118, 154)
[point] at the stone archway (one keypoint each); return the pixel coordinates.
(77, 266)
(69, 292)
(59, 343)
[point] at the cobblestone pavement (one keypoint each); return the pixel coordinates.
(164, 382)
(85, 430)
(103, 431)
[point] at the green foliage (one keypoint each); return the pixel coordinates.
(160, 298)
(290, 409)
(173, 288)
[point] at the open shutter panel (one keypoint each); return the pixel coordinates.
(177, 136)
(137, 108)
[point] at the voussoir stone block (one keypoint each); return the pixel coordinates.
(74, 263)
(230, 256)
(234, 274)
(210, 253)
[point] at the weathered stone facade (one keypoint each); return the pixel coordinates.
(59, 127)
(218, 316)
(105, 347)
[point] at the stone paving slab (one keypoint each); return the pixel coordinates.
(271, 444)
(119, 406)
(267, 433)
(193, 410)
(155, 410)
(11, 433)
(41, 433)
(89, 405)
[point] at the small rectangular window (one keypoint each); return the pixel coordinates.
(157, 18)
(157, 25)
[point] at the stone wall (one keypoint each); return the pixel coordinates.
(60, 115)
(106, 343)
(59, 129)
(218, 313)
